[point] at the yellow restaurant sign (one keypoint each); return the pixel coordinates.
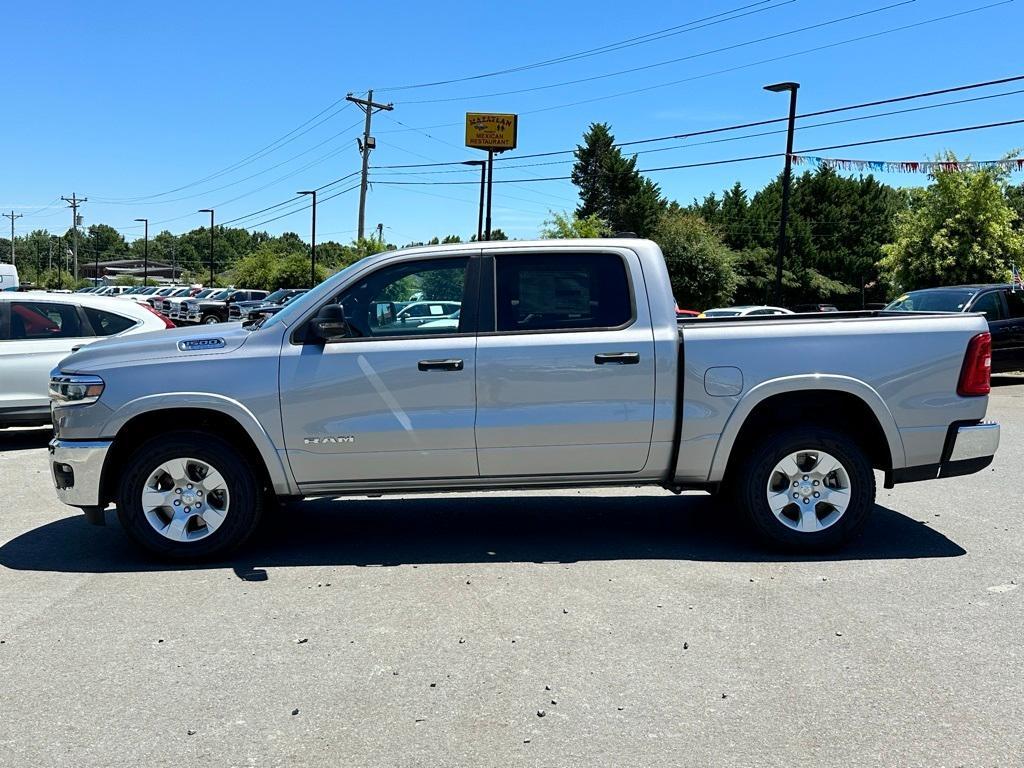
(496, 132)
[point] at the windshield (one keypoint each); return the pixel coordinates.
(721, 313)
(221, 295)
(944, 300)
(296, 307)
(277, 296)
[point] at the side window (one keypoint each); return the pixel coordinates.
(561, 292)
(43, 320)
(990, 305)
(107, 323)
(408, 299)
(1015, 303)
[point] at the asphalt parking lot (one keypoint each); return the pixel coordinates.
(622, 627)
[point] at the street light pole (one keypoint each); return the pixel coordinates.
(312, 239)
(145, 258)
(786, 181)
(210, 211)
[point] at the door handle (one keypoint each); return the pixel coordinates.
(617, 358)
(440, 365)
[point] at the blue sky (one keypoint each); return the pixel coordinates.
(124, 102)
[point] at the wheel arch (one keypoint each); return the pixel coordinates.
(228, 419)
(837, 402)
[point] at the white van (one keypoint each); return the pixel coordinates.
(8, 278)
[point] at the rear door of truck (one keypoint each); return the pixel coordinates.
(565, 363)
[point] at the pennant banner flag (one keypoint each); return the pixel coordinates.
(891, 166)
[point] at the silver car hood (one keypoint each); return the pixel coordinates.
(203, 341)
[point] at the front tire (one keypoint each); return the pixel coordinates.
(188, 496)
(807, 490)
(210, 320)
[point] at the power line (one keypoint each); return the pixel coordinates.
(739, 159)
(738, 126)
(609, 47)
(691, 145)
(666, 62)
(272, 147)
(301, 208)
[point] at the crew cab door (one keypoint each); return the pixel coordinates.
(565, 364)
(1000, 325)
(388, 401)
(1015, 310)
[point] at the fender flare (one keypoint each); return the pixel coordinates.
(280, 478)
(805, 383)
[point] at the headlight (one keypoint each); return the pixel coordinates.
(72, 389)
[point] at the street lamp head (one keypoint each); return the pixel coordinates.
(780, 87)
(306, 192)
(205, 210)
(474, 162)
(145, 220)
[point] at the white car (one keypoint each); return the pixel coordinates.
(419, 312)
(450, 323)
(38, 330)
(745, 311)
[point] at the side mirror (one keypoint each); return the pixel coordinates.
(383, 313)
(329, 324)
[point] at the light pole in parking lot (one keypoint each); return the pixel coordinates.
(145, 258)
(786, 181)
(210, 211)
(312, 238)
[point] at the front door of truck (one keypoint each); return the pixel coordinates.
(565, 364)
(389, 401)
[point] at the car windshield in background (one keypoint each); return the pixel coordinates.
(944, 300)
(722, 313)
(277, 296)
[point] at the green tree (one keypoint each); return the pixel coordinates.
(959, 229)
(292, 271)
(563, 226)
(612, 188)
(700, 265)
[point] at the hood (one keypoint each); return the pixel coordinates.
(203, 341)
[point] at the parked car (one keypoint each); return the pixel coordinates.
(143, 294)
(8, 277)
(565, 373)
(214, 309)
(815, 308)
(174, 307)
(419, 312)
(157, 299)
(1002, 306)
(745, 311)
(112, 290)
(38, 330)
(239, 310)
(449, 323)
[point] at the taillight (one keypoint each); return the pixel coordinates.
(167, 321)
(974, 376)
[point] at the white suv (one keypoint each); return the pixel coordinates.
(38, 330)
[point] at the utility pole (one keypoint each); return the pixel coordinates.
(12, 216)
(74, 202)
(312, 239)
(145, 258)
(210, 211)
(369, 106)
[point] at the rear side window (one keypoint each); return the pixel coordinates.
(107, 323)
(1015, 303)
(990, 305)
(44, 320)
(556, 293)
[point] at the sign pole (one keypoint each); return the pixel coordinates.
(480, 213)
(490, 187)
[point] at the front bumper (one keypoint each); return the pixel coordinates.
(76, 467)
(969, 448)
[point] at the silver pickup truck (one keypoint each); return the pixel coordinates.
(564, 366)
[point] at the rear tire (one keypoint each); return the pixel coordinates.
(806, 490)
(188, 496)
